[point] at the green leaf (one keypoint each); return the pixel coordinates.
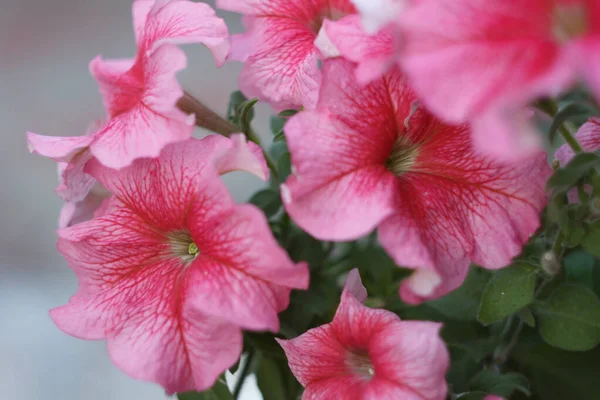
(463, 303)
(509, 290)
(502, 385)
(287, 113)
(218, 392)
(579, 268)
(269, 380)
(591, 242)
(570, 318)
(577, 168)
(284, 166)
(570, 111)
(527, 316)
(276, 124)
(267, 200)
(560, 375)
(236, 99)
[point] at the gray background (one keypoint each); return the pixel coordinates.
(45, 87)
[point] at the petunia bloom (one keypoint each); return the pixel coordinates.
(83, 197)
(371, 157)
(140, 94)
(369, 354)
(588, 137)
(174, 269)
(482, 60)
(278, 50)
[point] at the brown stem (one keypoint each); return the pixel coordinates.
(205, 117)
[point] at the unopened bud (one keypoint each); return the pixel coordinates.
(550, 264)
(555, 164)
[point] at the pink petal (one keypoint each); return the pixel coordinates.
(413, 355)
(59, 148)
(374, 54)
(120, 86)
(339, 197)
(355, 325)
(242, 275)
(315, 355)
(463, 56)
(75, 184)
(76, 212)
(588, 137)
(179, 22)
(243, 156)
(283, 68)
(189, 169)
(140, 132)
(587, 54)
(355, 286)
(506, 135)
(155, 337)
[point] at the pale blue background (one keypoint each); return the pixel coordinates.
(45, 46)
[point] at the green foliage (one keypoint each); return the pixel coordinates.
(464, 302)
(267, 200)
(570, 318)
(591, 241)
(504, 385)
(218, 392)
(568, 176)
(275, 380)
(508, 291)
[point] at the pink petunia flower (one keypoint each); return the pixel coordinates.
(371, 157)
(368, 354)
(83, 197)
(588, 137)
(278, 50)
(483, 60)
(140, 94)
(174, 269)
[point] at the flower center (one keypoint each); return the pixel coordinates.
(569, 21)
(360, 363)
(402, 157)
(183, 246)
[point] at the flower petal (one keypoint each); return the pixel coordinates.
(59, 148)
(355, 286)
(374, 54)
(413, 355)
(120, 86)
(283, 68)
(179, 22)
(315, 355)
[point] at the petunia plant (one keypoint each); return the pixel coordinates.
(429, 226)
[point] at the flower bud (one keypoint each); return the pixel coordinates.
(550, 264)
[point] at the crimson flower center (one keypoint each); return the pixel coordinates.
(359, 362)
(402, 157)
(569, 21)
(183, 246)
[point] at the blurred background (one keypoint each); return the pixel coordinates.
(45, 87)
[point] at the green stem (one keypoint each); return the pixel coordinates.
(558, 245)
(243, 374)
(570, 138)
